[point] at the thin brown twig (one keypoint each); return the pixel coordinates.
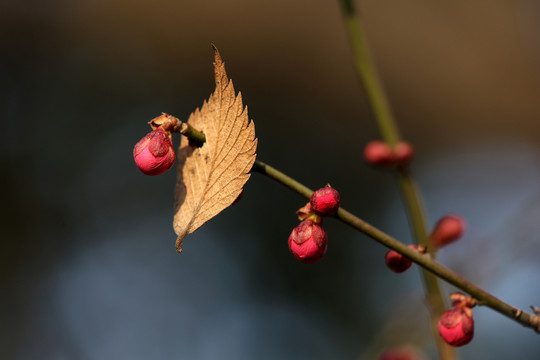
(425, 260)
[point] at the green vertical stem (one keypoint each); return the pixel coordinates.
(368, 76)
(380, 107)
(417, 219)
(415, 208)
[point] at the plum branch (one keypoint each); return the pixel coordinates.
(425, 260)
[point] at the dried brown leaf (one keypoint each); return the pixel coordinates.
(212, 176)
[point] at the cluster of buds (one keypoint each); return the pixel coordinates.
(379, 153)
(456, 325)
(448, 229)
(308, 241)
(154, 154)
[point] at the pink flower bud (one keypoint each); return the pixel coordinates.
(154, 153)
(447, 230)
(378, 153)
(397, 262)
(403, 153)
(403, 353)
(325, 201)
(456, 326)
(308, 241)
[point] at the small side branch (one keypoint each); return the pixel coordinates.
(423, 259)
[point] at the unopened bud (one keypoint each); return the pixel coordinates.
(397, 262)
(154, 153)
(378, 153)
(456, 326)
(382, 154)
(402, 353)
(447, 230)
(325, 201)
(403, 153)
(308, 241)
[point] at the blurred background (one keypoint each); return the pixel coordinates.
(88, 265)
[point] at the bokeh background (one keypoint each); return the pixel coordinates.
(88, 265)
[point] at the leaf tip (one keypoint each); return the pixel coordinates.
(179, 241)
(217, 57)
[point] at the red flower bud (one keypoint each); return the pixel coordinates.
(404, 353)
(308, 241)
(397, 262)
(154, 153)
(325, 201)
(456, 326)
(378, 153)
(447, 230)
(403, 153)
